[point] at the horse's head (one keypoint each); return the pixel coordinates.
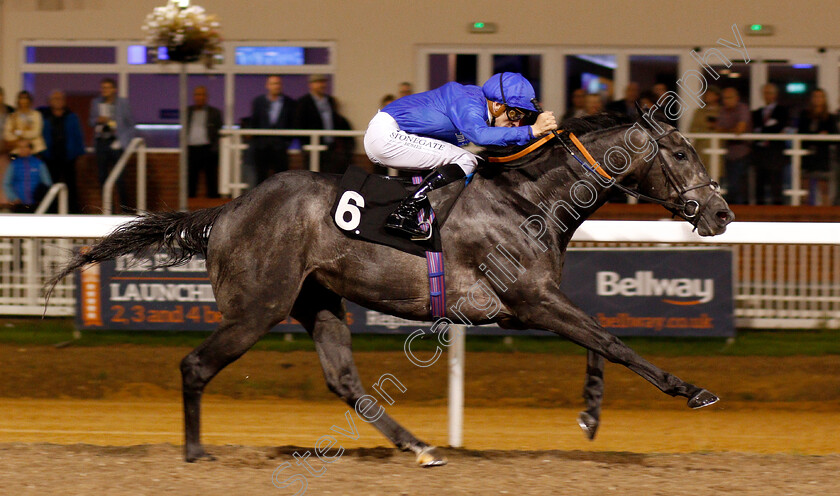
(672, 171)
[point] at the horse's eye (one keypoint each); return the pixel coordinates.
(680, 156)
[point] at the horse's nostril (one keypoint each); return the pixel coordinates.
(724, 216)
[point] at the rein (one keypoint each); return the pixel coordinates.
(593, 166)
(681, 209)
(521, 153)
(688, 209)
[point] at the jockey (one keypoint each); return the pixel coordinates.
(426, 130)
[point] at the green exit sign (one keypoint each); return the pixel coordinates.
(482, 27)
(759, 30)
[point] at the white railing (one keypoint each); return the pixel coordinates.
(231, 146)
(58, 190)
(137, 145)
(32, 248)
(717, 151)
(787, 275)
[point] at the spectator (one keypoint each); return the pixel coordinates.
(203, 125)
(274, 110)
(405, 89)
(646, 99)
(768, 156)
(65, 144)
(627, 106)
(705, 121)
(5, 112)
(27, 178)
(386, 100)
(593, 104)
(317, 110)
(735, 118)
(657, 90)
(25, 124)
(110, 117)
(816, 119)
(578, 103)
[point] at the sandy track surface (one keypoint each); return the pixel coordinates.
(157, 470)
(107, 420)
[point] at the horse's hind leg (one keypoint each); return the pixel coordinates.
(321, 312)
(593, 393)
(230, 341)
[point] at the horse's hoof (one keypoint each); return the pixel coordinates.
(199, 456)
(430, 457)
(589, 424)
(701, 399)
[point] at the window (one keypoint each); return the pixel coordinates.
(529, 66)
(447, 67)
(239, 75)
(71, 55)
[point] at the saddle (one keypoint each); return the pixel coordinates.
(365, 200)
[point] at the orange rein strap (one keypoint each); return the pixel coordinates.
(521, 153)
(545, 139)
(585, 152)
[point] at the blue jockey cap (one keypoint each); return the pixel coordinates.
(510, 88)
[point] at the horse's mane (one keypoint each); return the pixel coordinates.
(579, 126)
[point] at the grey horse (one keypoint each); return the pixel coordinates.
(276, 252)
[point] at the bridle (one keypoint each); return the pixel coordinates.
(681, 209)
(688, 209)
(671, 177)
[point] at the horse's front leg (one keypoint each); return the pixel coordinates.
(593, 393)
(558, 314)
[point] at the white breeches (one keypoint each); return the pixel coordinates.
(387, 145)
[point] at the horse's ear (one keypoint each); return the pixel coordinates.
(639, 109)
(651, 123)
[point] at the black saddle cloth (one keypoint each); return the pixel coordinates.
(381, 195)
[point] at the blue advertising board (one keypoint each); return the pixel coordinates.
(654, 292)
(638, 292)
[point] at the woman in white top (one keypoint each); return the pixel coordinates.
(25, 123)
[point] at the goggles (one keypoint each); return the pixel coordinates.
(514, 114)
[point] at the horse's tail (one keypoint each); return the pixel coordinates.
(178, 234)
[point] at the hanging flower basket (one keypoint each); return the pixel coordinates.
(189, 34)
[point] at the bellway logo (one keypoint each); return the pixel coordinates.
(696, 291)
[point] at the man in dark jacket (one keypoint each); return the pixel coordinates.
(627, 106)
(65, 144)
(203, 125)
(769, 159)
(274, 110)
(317, 110)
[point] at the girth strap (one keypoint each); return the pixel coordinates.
(437, 284)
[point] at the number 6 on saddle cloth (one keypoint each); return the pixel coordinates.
(365, 200)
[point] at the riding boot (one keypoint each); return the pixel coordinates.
(405, 219)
